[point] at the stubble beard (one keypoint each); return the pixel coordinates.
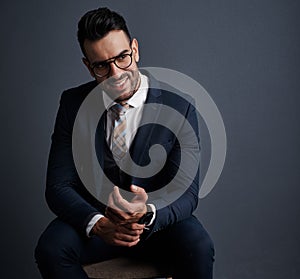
(134, 81)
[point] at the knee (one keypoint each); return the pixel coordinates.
(201, 243)
(204, 246)
(197, 255)
(195, 240)
(57, 245)
(46, 251)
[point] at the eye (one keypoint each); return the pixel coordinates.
(122, 57)
(100, 65)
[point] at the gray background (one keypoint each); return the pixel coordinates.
(246, 55)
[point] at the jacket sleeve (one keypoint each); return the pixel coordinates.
(65, 194)
(184, 206)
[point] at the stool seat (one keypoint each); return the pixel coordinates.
(126, 268)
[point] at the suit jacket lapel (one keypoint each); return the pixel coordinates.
(143, 136)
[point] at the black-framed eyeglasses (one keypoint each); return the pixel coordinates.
(122, 61)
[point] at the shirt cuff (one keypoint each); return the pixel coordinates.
(153, 209)
(92, 222)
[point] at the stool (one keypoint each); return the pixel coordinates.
(126, 268)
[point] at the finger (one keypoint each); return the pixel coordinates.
(118, 198)
(122, 203)
(113, 218)
(115, 198)
(140, 193)
(111, 202)
(121, 217)
(123, 229)
(134, 226)
(136, 189)
(119, 213)
(126, 237)
(118, 242)
(133, 212)
(116, 216)
(123, 220)
(116, 193)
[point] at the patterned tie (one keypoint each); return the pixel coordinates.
(118, 136)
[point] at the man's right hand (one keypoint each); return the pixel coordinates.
(120, 235)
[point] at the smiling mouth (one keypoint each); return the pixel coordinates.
(119, 83)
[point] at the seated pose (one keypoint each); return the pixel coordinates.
(125, 211)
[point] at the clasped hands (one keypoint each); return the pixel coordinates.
(120, 225)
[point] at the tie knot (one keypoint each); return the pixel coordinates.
(119, 109)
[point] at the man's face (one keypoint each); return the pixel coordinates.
(120, 84)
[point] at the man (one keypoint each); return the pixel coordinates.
(137, 220)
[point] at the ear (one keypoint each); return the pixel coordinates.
(135, 48)
(87, 64)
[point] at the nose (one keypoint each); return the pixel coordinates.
(115, 72)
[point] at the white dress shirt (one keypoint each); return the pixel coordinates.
(133, 116)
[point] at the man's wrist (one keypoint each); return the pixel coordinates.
(149, 216)
(92, 223)
(96, 230)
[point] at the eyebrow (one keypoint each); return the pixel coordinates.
(104, 61)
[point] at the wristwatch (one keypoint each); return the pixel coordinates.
(147, 217)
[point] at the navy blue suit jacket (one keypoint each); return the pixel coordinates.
(72, 202)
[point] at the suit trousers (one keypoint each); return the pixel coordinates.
(184, 246)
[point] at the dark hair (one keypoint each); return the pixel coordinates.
(95, 24)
